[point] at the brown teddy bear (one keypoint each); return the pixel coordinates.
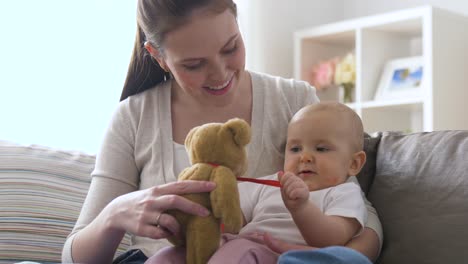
(217, 153)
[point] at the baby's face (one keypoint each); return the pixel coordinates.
(318, 149)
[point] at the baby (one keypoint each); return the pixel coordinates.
(320, 202)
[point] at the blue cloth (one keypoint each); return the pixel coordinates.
(327, 255)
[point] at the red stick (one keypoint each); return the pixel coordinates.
(265, 182)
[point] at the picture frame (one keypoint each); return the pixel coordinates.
(401, 78)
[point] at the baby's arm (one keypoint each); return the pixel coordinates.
(317, 229)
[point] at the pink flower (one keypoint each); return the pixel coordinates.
(322, 74)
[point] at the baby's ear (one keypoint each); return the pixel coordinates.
(357, 162)
(239, 129)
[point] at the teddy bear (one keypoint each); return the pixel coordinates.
(217, 153)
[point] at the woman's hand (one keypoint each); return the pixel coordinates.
(142, 212)
(294, 190)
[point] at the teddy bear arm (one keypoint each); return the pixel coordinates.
(225, 199)
(197, 172)
(194, 172)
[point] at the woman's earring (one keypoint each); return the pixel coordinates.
(166, 73)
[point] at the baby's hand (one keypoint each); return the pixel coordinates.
(294, 190)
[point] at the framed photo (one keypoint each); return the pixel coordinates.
(401, 78)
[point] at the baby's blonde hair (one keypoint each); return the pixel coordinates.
(355, 124)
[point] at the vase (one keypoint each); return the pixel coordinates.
(348, 89)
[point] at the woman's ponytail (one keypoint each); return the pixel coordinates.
(143, 72)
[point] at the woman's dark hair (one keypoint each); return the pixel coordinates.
(155, 18)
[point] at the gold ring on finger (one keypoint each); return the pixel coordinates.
(157, 219)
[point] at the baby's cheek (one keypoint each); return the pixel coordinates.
(333, 181)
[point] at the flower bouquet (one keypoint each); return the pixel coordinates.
(345, 76)
(336, 71)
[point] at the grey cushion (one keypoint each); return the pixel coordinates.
(366, 175)
(420, 191)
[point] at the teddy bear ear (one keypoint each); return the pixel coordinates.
(240, 130)
(189, 136)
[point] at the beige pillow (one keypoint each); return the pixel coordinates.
(41, 192)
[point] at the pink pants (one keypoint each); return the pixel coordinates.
(234, 250)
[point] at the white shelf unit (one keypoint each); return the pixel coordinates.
(439, 36)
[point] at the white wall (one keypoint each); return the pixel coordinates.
(46, 100)
(62, 68)
(272, 23)
(269, 38)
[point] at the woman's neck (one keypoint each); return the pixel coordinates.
(240, 102)
(187, 112)
(239, 94)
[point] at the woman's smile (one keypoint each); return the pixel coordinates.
(221, 89)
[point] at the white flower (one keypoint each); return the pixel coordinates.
(345, 71)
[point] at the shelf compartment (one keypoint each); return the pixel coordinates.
(393, 117)
(313, 47)
(437, 35)
(383, 43)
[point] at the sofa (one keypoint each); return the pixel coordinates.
(417, 182)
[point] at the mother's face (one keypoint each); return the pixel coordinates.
(206, 56)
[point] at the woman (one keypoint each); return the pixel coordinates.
(187, 69)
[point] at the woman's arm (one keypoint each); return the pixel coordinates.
(97, 242)
(90, 235)
(135, 213)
